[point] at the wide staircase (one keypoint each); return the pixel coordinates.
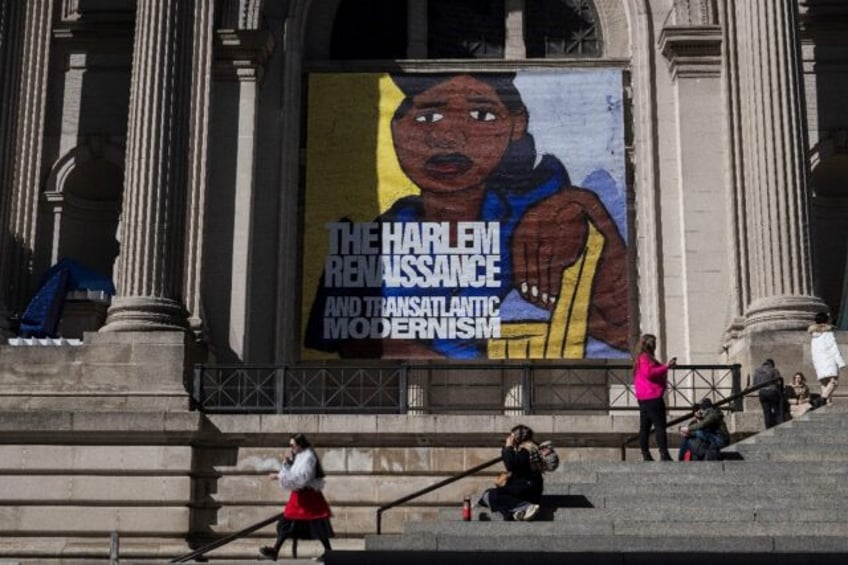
(779, 497)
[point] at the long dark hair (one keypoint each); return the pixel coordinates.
(522, 433)
(304, 444)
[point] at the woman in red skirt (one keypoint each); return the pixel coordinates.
(306, 515)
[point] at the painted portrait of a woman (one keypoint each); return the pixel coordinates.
(463, 141)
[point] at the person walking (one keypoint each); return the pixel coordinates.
(650, 380)
(771, 396)
(826, 357)
(307, 514)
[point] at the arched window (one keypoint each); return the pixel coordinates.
(561, 28)
(465, 29)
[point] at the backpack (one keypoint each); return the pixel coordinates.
(550, 460)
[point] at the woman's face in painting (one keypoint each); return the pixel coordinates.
(454, 135)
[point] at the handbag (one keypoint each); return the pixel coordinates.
(502, 479)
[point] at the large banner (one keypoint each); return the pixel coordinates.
(465, 216)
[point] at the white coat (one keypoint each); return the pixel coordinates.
(826, 357)
(301, 473)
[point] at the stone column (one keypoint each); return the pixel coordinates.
(691, 42)
(150, 279)
(773, 225)
(9, 57)
(28, 152)
(237, 71)
(197, 170)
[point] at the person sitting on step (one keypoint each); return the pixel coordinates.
(705, 435)
(519, 489)
(798, 395)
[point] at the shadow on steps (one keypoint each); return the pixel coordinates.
(543, 558)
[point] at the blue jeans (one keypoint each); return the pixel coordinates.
(712, 438)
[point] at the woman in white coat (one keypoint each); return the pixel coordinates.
(307, 514)
(826, 357)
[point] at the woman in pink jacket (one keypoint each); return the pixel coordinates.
(650, 378)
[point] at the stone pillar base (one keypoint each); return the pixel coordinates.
(790, 351)
(782, 313)
(145, 314)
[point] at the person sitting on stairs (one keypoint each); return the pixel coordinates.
(519, 489)
(705, 435)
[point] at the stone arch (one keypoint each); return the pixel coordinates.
(828, 217)
(81, 205)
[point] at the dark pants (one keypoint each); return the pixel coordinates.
(652, 412)
(772, 402)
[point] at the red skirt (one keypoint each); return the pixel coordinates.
(306, 504)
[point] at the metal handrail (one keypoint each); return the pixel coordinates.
(431, 488)
(685, 417)
(225, 540)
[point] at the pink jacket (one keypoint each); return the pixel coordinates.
(650, 378)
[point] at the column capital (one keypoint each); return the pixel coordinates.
(241, 54)
(692, 51)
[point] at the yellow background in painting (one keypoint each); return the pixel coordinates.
(351, 166)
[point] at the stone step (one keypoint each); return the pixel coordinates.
(624, 526)
(82, 489)
(694, 543)
(570, 471)
(78, 550)
(138, 520)
(695, 472)
(668, 513)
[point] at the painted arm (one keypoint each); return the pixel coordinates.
(551, 236)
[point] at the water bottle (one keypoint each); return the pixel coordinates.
(466, 509)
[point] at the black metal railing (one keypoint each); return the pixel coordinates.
(431, 488)
(225, 540)
(521, 389)
(735, 399)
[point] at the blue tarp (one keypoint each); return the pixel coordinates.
(42, 315)
(81, 277)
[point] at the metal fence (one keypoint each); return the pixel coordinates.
(445, 389)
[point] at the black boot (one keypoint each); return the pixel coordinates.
(664, 456)
(646, 456)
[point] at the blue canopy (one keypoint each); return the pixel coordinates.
(42, 315)
(81, 277)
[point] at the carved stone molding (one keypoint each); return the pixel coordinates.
(692, 51)
(242, 54)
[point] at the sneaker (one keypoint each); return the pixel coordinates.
(531, 512)
(518, 516)
(268, 552)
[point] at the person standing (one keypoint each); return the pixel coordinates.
(771, 396)
(650, 380)
(826, 357)
(307, 514)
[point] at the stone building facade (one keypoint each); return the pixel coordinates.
(180, 170)
(163, 142)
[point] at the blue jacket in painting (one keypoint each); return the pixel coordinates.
(503, 205)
